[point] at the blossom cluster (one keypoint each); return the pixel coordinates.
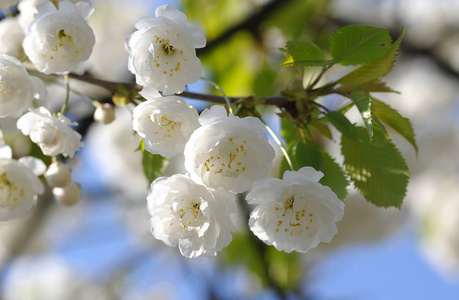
(225, 154)
(56, 39)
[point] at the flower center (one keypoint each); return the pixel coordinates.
(189, 214)
(228, 158)
(163, 126)
(291, 221)
(9, 191)
(167, 58)
(168, 49)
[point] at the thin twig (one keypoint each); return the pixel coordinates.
(316, 81)
(67, 93)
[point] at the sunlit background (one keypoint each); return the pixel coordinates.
(102, 248)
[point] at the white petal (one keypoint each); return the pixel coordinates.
(6, 152)
(37, 166)
(173, 14)
(150, 93)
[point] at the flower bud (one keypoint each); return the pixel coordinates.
(58, 175)
(104, 113)
(68, 195)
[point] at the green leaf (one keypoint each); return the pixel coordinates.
(379, 173)
(342, 124)
(334, 176)
(153, 165)
(302, 153)
(289, 131)
(392, 118)
(374, 70)
(376, 86)
(305, 54)
(356, 44)
(321, 127)
(376, 131)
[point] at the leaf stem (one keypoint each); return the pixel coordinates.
(67, 93)
(316, 81)
(227, 100)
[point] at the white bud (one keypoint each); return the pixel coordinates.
(58, 175)
(68, 195)
(104, 113)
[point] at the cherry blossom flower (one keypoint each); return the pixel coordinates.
(52, 134)
(17, 88)
(228, 152)
(19, 184)
(28, 9)
(295, 213)
(162, 51)
(164, 123)
(11, 36)
(59, 39)
(191, 216)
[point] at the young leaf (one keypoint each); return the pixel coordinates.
(392, 118)
(153, 165)
(376, 131)
(356, 44)
(334, 176)
(305, 54)
(374, 70)
(342, 124)
(376, 86)
(379, 173)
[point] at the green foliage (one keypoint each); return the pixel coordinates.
(376, 86)
(376, 131)
(334, 176)
(392, 118)
(304, 152)
(342, 124)
(153, 165)
(304, 53)
(321, 127)
(357, 44)
(373, 70)
(379, 173)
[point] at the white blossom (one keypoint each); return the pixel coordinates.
(162, 51)
(295, 213)
(19, 184)
(5, 4)
(59, 39)
(164, 123)
(11, 37)
(191, 216)
(28, 9)
(17, 88)
(52, 134)
(228, 152)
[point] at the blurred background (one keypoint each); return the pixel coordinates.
(102, 248)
